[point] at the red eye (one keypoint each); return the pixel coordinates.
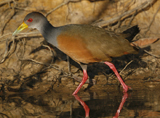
(30, 20)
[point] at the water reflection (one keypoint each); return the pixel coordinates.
(53, 104)
(125, 96)
(86, 108)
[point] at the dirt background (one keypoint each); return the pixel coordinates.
(27, 65)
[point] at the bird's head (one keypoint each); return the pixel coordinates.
(32, 20)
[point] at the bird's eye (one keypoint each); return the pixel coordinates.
(30, 20)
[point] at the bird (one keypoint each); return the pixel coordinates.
(84, 43)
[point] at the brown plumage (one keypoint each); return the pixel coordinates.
(93, 43)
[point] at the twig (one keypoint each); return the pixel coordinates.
(12, 14)
(119, 20)
(6, 2)
(151, 54)
(27, 35)
(21, 35)
(152, 21)
(48, 47)
(125, 14)
(24, 42)
(41, 63)
(35, 61)
(132, 17)
(64, 3)
(4, 115)
(138, 36)
(69, 65)
(13, 46)
(145, 50)
(6, 51)
(50, 52)
(23, 50)
(125, 67)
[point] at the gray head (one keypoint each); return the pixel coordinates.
(33, 20)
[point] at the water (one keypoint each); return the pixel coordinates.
(142, 102)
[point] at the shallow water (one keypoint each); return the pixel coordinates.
(141, 102)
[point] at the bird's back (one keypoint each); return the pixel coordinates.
(87, 44)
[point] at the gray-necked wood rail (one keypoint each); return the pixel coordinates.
(83, 43)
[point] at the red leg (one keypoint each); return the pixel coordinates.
(125, 87)
(85, 77)
(125, 96)
(86, 108)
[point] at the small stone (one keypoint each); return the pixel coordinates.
(153, 60)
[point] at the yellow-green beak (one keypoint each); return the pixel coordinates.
(20, 28)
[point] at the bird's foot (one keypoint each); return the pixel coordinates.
(74, 93)
(126, 88)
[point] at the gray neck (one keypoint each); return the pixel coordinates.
(49, 33)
